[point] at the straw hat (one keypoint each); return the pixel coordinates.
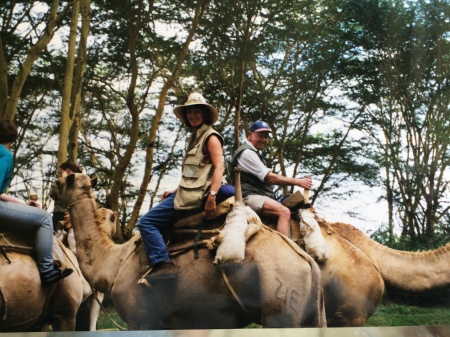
(195, 98)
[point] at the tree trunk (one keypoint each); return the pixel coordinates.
(3, 80)
(199, 10)
(75, 106)
(66, 119)
(35, 51)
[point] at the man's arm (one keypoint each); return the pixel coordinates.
(276, 179)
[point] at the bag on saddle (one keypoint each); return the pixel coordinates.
(293, 201)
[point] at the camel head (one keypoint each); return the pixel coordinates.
(106, 221)
(74, 187)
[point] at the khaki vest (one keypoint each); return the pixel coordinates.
(251, 184)
(196, 175)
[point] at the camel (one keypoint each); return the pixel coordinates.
(274, 287)
(26, 305)
(358, 270)
(88, 313)
(401, 271)
(353, 286)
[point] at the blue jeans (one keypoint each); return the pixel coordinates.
(15, 217)
(155, 225)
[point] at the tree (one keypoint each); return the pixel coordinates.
(406, 95)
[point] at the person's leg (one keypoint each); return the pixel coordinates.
(25, 218)
(271, 208)
(20, 217)
(153, 225)
(225, 191)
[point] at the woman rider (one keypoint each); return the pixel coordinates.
(202, 183)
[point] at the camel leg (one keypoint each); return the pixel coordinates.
(95, 309)
(62, 323)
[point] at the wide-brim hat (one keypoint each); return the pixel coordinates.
(195, 98)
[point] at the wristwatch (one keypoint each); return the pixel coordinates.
(213, 193)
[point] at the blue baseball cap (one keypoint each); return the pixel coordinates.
(260, 126)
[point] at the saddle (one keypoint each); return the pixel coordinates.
(194, 220)
(23, 243)
(15, 242)
(199, 225)
(193, 226)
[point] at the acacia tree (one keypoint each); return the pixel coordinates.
(16, 64)
(406, 95)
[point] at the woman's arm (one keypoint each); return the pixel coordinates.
(214, 146)
(9, 198)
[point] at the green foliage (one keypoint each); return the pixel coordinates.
(404, 242)
(355, 90)
(405, 315)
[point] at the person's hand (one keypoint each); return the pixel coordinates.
(167, 194)
(306, 183)
(210, 206)
(34, 203)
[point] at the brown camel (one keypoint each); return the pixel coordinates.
(411, 272)
(26, 305)
(353, 287)
(90, 308)
(359, 269)
(277, 285)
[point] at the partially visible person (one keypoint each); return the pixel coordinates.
(65, 233)
(16, 215)
(64, 169)
(257, 179)
(202, 184)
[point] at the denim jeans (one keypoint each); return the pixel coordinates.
(155, 225)
(17, 217)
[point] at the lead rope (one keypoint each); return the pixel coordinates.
(117, 325)
(235, 295)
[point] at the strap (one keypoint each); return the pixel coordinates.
(230, 288)
(197, 237)
(3, 252)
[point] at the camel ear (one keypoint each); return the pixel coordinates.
(70, 179)
(113, 217)
(93, 182)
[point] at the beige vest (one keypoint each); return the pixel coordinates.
(196, 175)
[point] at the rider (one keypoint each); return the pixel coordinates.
(257, 180)
(202, 183)
(15, 214)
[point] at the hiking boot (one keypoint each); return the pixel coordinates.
(164, 269)
(54, 275)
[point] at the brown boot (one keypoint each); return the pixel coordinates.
(164, 269)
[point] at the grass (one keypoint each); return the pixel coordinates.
(110, 320)
(386, 315)
(407, 315)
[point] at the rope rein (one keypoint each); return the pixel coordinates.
(80, 200)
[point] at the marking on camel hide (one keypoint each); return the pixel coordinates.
(288, 296)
